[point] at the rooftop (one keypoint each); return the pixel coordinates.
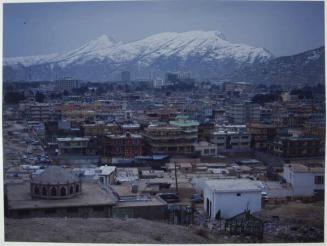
(19, 197)
(232, 185)
(184, 123)
(106, 170)
(55, 175)
(68, 139)
(301, 168)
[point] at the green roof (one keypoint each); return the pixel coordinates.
(184, 123)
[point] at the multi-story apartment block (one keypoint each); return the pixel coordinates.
(261, 134)
(127, 145)
(242, 113)
(236, 113)
(176, 138)
(67, 84)
(231, 141)
(73, 145)
(297, 146)
(37, 111)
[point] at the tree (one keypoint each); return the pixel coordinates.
(218, 217)
(39, 97)
(14, 97)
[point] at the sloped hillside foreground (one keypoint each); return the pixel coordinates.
(100, 230)
(289, 222)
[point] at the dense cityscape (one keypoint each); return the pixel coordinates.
(164, 150)
(163, 122)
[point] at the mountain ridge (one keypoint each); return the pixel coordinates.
(204, 52)
(303, 68)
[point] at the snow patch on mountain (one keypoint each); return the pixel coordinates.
(203, 52)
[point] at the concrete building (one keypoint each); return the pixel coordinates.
(37, 111)
(261, 134)
(231, 197)
(127, 145)
(94, 200)
(73, 145)
(305, 180)
(297, 146)
(171, 78)
(205, 148)
(176, 138)
(106, 175)
(67, 84)
(189, 127)
(231, 141)
(55, 183)
(236, 113)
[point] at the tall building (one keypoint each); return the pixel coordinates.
(176, 138)
(127, 145)
(67, 84)
(236, 113)
(37, 111)
(171, 78)
(125, 76)
(244, 112)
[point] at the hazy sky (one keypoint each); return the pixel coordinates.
(283, 28)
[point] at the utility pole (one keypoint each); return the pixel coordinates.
(176, 178)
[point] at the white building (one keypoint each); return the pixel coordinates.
(67, 84)
(305, 180)
(205, 148)
(231, 197)
(230, 141)
(106, 175)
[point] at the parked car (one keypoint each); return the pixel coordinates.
(169, 197)
(196, 198)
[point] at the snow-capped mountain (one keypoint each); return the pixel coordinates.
(203, 53)
(304, 68)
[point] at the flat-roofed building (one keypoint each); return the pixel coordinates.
(231, 197)
(37, 111)
(127, 145)
(168, 140)
(297, 146)
(206, 148)
(306, 180)
(230, 141)
(261, 134)
(67, 84)
(73, 145)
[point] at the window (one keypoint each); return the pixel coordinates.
(63, 191)
(44, 191)
(50, 211)
(98, 208)
(238, 194)
(319, 179)
(53, 191)
(77, 188)
(71, 190)
(36, 190)
(23, 212)
(72, 210)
